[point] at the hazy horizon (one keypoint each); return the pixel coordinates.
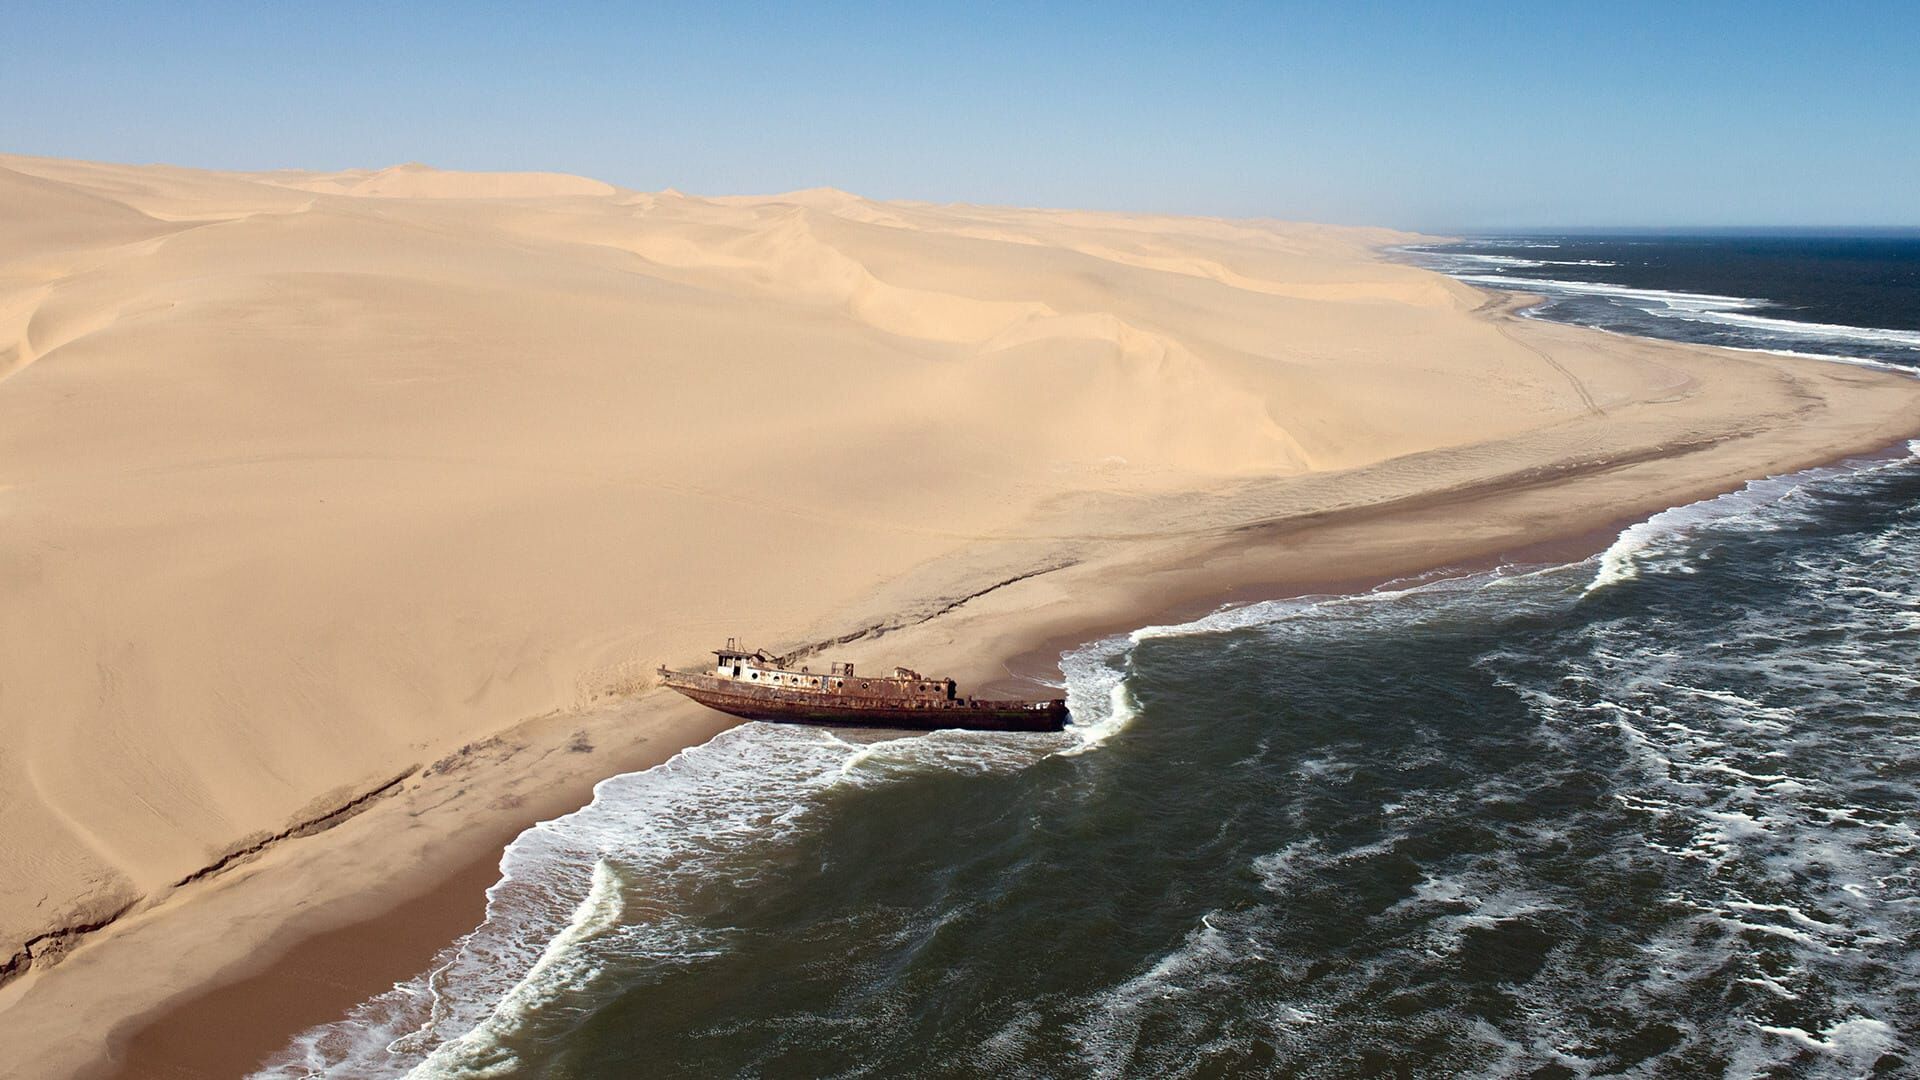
(1466, 120)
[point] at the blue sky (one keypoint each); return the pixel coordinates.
(1439, 116)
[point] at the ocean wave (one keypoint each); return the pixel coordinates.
(1802, 875)
(1516, 261)
(1668, 298)
(693, 825)
(1667, 532)
(1805, 866)
(1831, 358)
(1467, 261)
(1783, 876)
(1730, 315)
(1867, 335)
(1274, 614)
(562, 930)
(1098, 696)
(564, 969)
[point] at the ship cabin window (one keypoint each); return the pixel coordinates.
(736, 671)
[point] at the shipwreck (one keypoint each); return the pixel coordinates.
(756, 686)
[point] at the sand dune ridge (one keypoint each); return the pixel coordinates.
(312, 478)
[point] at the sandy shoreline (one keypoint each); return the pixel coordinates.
(348, 513)
(235, 1025)
(310, 978)
(304, 973)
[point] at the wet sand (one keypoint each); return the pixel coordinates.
(348, 514)
(232, 1028)
(228, 1030)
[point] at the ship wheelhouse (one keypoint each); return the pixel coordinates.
(759, 668)
(756, 685)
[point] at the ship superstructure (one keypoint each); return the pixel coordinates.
(757, 686)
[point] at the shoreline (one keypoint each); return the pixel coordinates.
(314, 976)
(402, 576)
(307, 971)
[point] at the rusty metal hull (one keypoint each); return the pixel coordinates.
(837, 710)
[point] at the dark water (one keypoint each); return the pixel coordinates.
(1653, 814)
(1843, 297)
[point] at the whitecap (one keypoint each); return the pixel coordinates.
(1862, 1039)
(711, 814)
(1667, 532)
(563, 968)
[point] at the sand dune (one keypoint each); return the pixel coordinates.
(310, 479)
(416, 181)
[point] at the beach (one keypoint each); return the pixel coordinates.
(349, 513)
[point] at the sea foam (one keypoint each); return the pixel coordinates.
(1666, 533)
(560, 925)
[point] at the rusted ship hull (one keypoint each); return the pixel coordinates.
(850, 710)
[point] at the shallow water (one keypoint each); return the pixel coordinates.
(1653, 812)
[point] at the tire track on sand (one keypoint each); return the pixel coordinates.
(1498, 310)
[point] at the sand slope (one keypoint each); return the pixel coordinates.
(308, 480)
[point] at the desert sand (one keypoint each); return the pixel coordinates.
(343, 517)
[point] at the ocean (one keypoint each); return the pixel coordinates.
(1839, 297)
(1652, 813)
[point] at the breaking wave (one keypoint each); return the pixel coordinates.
(627, 885)
(1695, 865)
(1752, 323)
(1651, 812)
(1731, 311)
(1663, 536)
